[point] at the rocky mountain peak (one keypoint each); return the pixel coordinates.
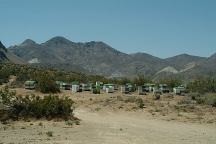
(99, 58)
(2, 46)
(28, 42)
(213, 56)
(58, 40)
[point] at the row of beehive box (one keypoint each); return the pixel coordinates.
(110, 88)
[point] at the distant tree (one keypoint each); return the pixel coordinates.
(171, 82)
(46, 84)
(141, 80)
(203, 85)
(124, 81)
(35, 106)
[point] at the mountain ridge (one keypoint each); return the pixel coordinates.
(7, 56)
(100, 58)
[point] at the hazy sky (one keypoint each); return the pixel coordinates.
(159, 27)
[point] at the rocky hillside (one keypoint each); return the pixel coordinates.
(99, 58)
(7, 56)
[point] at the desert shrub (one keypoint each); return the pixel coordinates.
(72, 122)
(140, 103)
(7, 97)
(3, 80)
(48, 107)
(69, 122)
(194, 95)
(156, 96)
(119, 98)
(96, 91)
(49, 133)
(130, 100)
(97, 109)
(46, 84)
(210, 99)
(171, 82)
(185, 101)
(40, 124)
(34, 72)
(141, 79)
(34, 106)
(4, 74)
(200, 100)
(214, 103)
(123, 81)
(203, 85)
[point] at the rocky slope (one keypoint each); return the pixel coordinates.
(7, 56)
(99, 58)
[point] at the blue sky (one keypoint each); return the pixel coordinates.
(162, 28)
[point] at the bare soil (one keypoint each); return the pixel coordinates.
(117, 118)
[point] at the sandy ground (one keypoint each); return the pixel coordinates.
(109, 128)
(108, 119)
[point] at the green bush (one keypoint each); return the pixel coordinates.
(96, 91)
(130, 100)
(140, 103)
(141, 80)
(201, 100)
(4, 75)
(36, 107)
(171, 82)
(214, 103)
(49, 133)
(210, 99)
(45, 74)
(156, 96)
(136, 100)
(207, 85)
(194, 96)
(46, 84)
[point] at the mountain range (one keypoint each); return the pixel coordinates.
(7, 56)
(101, 59)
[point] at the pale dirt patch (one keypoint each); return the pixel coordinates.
(108, 119)
(109, 128)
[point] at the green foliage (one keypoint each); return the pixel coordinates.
(140, 103)
(49, 133)
(4, 75)
(214, 103)
(141, 80)
(171, 82)
(35, 106)
(123, 81)
(39, 73)
(203, 85)
(156, 96)
(136, 100)
(46, 84)
(40, 124)
(96, 91)
(7, 97)
(69, 122)
(210, 99)
(194, 95)
(199, 98)
(131, 99)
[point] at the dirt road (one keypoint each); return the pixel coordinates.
(108, 119)
(110, 128)
(132, 128)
